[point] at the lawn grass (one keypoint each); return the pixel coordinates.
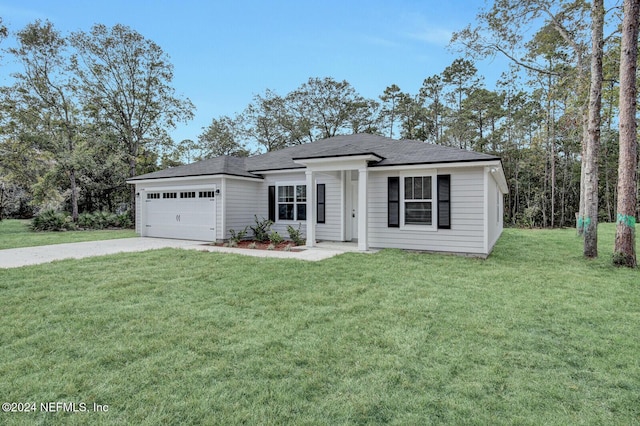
(16, 233)
(533, 335)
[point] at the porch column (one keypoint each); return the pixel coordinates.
(363, 238)
(311, 211)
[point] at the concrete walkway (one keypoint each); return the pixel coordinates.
(13, 258)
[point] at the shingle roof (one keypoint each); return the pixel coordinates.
(393, 153)
(223, 165)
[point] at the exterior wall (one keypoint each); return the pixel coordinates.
(331, 230)
(143, 188)
(496, 214)
(275, 179)
(476, 222)
(467, 214)
(139, 201)
(242, 200)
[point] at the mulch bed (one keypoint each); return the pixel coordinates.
(246, 244)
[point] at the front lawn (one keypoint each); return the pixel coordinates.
(533, 335)
(16, 233)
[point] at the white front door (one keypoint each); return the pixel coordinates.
(181, 213)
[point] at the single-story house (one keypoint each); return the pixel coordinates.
(380, 192)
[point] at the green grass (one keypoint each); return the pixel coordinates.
(533, 335)
(16, 233)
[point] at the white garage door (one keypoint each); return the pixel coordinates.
(182, 213)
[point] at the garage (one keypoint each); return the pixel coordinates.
(185, 213)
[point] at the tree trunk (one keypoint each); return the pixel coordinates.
(132, 189)
(74, 195)
(593, 141)
(624, 253)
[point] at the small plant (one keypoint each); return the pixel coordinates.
(261, 230)
(237, 236)
(295, 235)
(288, 247)
(275, 238)
(271, 247)
(252, 245)
(232, 243)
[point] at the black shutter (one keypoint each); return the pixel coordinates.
(320, 194)
(272, 203)
(444, 201)
(393, 202)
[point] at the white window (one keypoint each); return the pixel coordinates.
(292, 202)
(153, 195)
(417, 203)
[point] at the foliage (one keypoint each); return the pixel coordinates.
(295, 235)
(239, 236)
(261, 229)
(104, 220)
(275, 238)
(51, 220)
(222, 137)
(392, 337)
(128, 80)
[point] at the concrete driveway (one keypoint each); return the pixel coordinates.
(13, 258)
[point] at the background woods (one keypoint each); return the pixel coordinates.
(89, 109)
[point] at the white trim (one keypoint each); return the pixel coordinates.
(469, 164)
(343, 205)
(434, 202)
(192, 178)
(338, 162)
(278, 171)
(223, 206)
(311, 222)
(363, 210)
(178, 187)
(485, 207)
(295, 203)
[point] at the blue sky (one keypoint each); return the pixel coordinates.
(224, 53)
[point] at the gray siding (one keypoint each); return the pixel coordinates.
(276, 179)
(331, 229)
(495, 207)
(243, 200)
(139, 202)
(467, 206)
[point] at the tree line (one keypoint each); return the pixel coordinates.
(85, 112)
(91, 109)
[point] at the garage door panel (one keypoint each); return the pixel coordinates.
(184, 218)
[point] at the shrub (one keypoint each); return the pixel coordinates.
(261, 230)
(86, 220)
(123, 220)
(236, 237)
(275, 238)
(295, 235)
(51, 220)
(103, 219)
(271, 247)
(252, 245)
